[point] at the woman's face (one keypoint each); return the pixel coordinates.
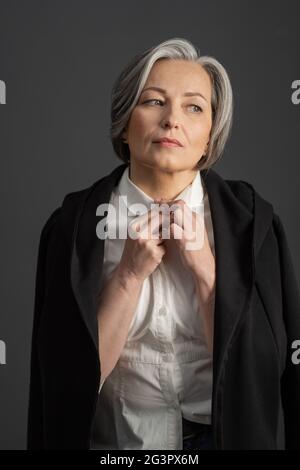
(171, 114)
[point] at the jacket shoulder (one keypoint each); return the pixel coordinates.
(62, 218)
(73, 202)
(243, 191)
(248, 195)
(50, 222)
(70, 209)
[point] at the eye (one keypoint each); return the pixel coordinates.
(198, 107)
(199, 110)
(154, 99)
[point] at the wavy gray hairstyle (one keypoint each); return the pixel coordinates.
(130, 83)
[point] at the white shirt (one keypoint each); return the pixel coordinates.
(165, 370)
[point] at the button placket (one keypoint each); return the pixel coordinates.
(160, 309)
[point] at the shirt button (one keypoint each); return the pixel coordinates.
(162, 311)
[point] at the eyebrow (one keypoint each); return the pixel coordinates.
(164, 92)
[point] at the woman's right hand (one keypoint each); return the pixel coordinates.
(142, 254)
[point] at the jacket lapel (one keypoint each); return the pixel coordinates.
(233, 236)
(241, 219)
(88, 251)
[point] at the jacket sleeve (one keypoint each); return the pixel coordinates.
(290, 382)
(35, 406)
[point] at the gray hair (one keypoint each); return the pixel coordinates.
(130, 83)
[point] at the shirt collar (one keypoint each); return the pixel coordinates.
(192, 195)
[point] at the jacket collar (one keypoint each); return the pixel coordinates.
(240, 219)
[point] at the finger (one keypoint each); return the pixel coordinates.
(143, 220)
(198, 239)
(176, 231)
(153, 230)
(163, 211)
(139, 221)
(183, 215)
(150, 226)
(136, 225)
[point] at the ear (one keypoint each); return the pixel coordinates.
(124, 135)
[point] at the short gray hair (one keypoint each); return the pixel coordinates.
(130, 83)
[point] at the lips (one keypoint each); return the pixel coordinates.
(172, 142)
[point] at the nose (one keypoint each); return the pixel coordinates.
(169, 124)
(169, 119)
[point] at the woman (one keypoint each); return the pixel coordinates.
(178, 335)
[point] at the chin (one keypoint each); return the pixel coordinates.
(165, 158)
(164, 161)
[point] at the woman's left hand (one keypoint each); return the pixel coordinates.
(188, 231)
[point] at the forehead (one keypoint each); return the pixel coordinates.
(171, 73)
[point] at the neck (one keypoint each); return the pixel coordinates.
(158, 183)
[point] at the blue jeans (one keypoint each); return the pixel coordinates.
(199, 436)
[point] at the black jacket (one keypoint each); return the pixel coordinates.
(256, 386)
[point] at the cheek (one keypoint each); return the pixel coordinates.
(139, 125)
(200, 137)
(200, 133)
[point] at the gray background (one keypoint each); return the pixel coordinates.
(59, 60)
